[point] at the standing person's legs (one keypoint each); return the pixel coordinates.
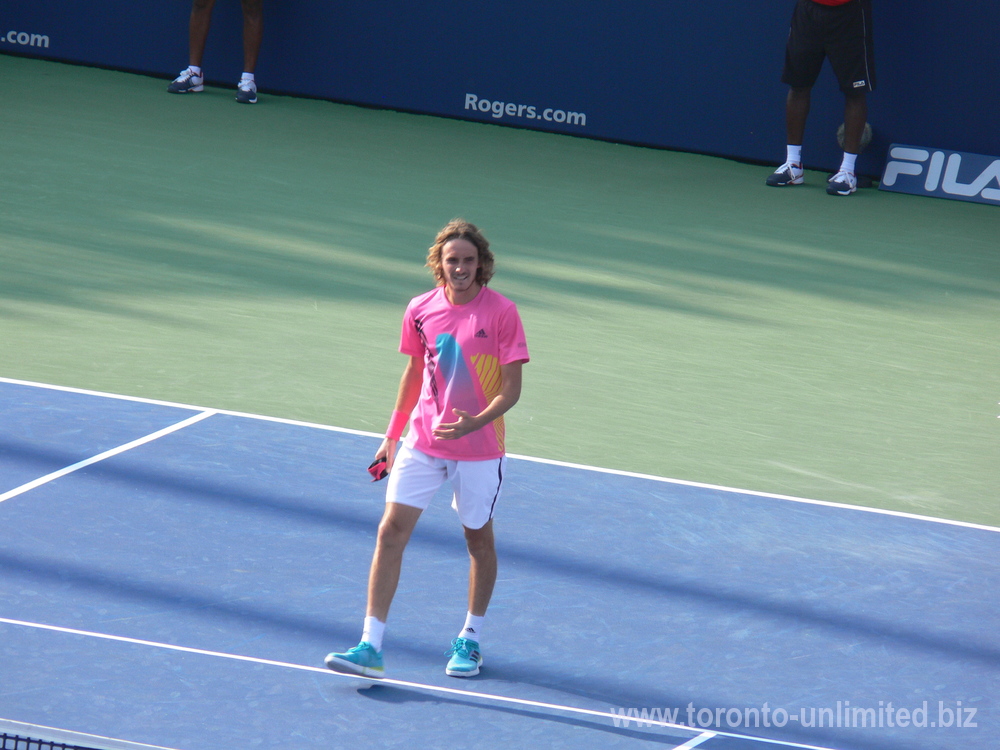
(253, 32)
(845, 181)
(413, 481)
(192, 78)
(482, 567)
(394, 532)
(804, 55)
(466, 656)
(412, 484)
(852, 59)
(796, 112)
(855, 117)
(477, 487)
(201, 20)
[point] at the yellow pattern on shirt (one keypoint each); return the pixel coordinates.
(488, 369)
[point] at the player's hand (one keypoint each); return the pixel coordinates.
(454, 430)
(387, 451)
(385, 456)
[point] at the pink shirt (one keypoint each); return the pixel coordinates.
(463, 347)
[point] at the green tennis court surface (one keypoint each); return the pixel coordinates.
(684, 320)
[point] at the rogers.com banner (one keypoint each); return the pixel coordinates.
(499, 110)
(942, 174)
(24, 39)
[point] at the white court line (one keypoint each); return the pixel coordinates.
(695, 741)
(548, 461)
(755, 493)
(101, 456)
(414, 685)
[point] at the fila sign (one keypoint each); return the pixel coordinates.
(943, 174)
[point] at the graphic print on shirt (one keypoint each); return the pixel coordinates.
(460, 389)
(418, 323)
(488, 369)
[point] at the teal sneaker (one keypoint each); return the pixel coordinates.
(465, 658)
(363, 659)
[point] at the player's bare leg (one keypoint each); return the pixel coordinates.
(394, 532)
(466, 657)
(482, 567)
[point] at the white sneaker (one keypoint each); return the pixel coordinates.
(842, 183)
(246, 91)
(788, 173)
(188, 81)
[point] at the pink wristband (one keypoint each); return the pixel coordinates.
(396, 425)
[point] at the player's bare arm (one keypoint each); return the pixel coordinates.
(509, 394)
(406, 399)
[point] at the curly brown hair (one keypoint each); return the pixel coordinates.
(459, 229)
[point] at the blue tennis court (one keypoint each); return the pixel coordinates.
(173, 576)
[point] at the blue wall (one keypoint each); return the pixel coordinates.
(692, 76)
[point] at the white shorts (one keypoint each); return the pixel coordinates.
(416, 477)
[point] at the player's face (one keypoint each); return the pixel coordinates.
(459, 263)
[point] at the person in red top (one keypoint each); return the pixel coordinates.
(840, 30)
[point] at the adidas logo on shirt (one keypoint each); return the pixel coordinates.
(481, 334)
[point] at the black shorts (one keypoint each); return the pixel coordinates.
(842, 33)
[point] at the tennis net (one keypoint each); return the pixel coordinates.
(16, 735)
(16, 742)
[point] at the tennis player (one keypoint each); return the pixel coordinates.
(466, 346)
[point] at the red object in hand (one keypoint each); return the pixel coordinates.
(377, 469)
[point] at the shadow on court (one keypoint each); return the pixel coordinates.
(242, 536)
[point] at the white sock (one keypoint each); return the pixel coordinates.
(847, 165)
(373, 631)
(473, 629)
(794, 154)
(246, 76)
(195, 69)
